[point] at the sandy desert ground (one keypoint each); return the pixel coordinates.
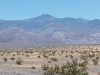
(33, 59)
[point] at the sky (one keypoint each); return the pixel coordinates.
(24, 9)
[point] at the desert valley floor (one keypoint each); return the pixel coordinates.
(32, 59)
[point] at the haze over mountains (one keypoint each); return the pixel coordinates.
(47, 30)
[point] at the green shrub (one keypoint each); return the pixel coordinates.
(71, 68)
(84, 63)
(45, 67)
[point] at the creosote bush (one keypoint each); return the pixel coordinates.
(71, 68)
(45, 67)
(33, 67)
(49, 61)
(71, 56)
(39, 56)
(12, 58)
(95, 61)
(44, 55)
(27, 55)
(5, 59)
(97, 57)
(19, 61)
(53, 59)
(1, 54)
(13, 55)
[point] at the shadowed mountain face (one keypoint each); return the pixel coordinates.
(48, 30)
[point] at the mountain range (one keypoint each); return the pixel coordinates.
(48, 30)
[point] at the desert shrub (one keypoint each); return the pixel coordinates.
(62, 51)
(84, 63)
(53, 59)
(5, 59)
(12, 58)
(71, 68)
(97, 57)
(95, 61)
(39, 53)
(91, 55)
(44, 55)
(27, 55)
(84, 52)
(83, 57)
(33, 67)
(19, 61)
(71, 56)
(1, 54)
(71, 52)
(13, 54)
(49, 61)
(45, 67)
(22, 53)
(66, 55)
(18, 53)
(39, 56)
(29, 51)
(53, 52)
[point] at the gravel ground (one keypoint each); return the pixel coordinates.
(30, 58)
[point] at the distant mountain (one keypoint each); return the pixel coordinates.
(49, 30)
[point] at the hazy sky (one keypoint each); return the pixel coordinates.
(24, 9)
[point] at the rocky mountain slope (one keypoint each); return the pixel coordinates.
(49, 30)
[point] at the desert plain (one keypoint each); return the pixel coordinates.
(32, 59)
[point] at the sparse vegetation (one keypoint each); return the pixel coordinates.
(5, 59)
(71, 68)
(27, 55)
(12, 58)
(78, 57)
(19, 61)
(49, 61)
(95, 61)
(53, 59)
(39, 56)
(97, 57)
(33, 67)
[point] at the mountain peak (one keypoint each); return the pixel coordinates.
(46, 16)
